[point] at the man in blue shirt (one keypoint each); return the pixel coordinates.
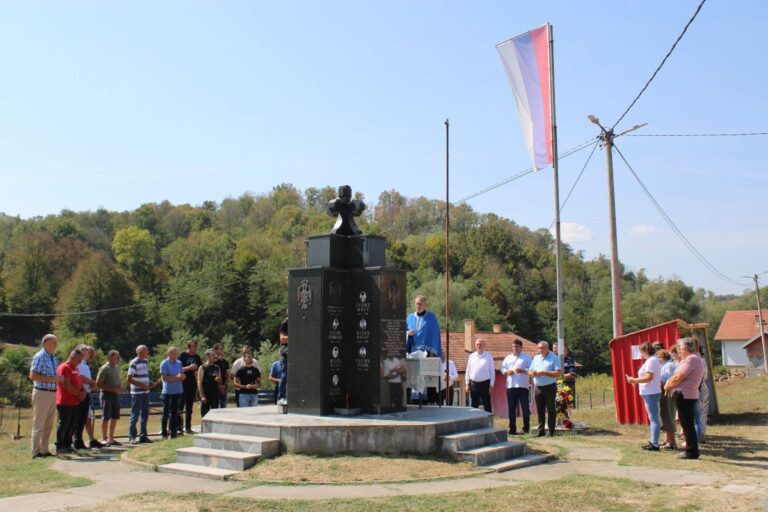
(545, 370)
(43, 375)
(275, 375)
(172, 373)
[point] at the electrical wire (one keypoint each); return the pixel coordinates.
(674, 227)
(530, 170)
(748, 134)
(565, 201)
(660, 65)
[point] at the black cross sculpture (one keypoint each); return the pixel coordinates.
(346, 209)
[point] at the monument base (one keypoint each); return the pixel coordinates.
(234, 439)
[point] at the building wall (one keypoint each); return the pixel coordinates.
(733, 354)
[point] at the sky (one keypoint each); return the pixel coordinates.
(117, 104)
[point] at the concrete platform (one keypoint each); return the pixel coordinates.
(415, 431)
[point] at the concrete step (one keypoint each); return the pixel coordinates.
(222, 459)
(194, 470)
(456, 442)
(483, 420)
(240, 428)
(264, 446)
(496, 452)
(518, 462)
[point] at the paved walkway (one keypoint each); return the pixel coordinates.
(596, 461)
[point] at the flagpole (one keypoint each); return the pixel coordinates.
(447, 274)
(558, 264)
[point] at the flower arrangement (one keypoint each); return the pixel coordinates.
(563, 400)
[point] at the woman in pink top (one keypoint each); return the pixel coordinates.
(649, 383)
(683, 386)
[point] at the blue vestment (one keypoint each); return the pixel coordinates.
(427, 333)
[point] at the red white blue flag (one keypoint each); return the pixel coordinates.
(526, 63)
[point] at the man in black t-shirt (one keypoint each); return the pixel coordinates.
(248, 380)
(224, 372)
(208, 380)
(190, 361)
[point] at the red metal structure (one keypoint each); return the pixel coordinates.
(626, 360)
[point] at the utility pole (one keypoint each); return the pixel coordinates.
(607, 137)
(760, 320)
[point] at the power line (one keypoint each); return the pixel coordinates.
(660, 65)
(748, 134)
(120, 308)
(674, 227)
(519, 175)
(565, 201)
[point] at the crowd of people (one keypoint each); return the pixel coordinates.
(673, 385)
(61, 392)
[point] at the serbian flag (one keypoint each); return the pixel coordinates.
(526, 64)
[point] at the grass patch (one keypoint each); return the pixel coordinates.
(19, 474)
(345, 469)
(580, 491)
(736, 443)
(159, 452)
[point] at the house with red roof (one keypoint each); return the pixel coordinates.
(740, 338)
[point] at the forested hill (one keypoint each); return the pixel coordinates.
(219, 271)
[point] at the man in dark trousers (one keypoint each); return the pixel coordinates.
(69, 394)
(191, 361)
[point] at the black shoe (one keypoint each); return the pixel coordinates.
(512, 432)
(79, 445)
(144, 440)
(190, 431)
(541, 434)
(38, 456)
(95, 444)
(173, 436)
(687, 455)
(49, 454)
(650, 447)
(551, 434)
(63, 451)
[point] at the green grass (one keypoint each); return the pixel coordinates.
(159, 452)
(20, 474)
(569, 493)
(737, 441)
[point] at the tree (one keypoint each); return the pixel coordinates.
(98, 285)
(134, 250)
(28, 286)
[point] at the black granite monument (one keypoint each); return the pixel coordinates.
(347, 321)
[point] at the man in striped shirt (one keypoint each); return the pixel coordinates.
(138, 376)
(42, 373)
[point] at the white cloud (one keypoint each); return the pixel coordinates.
(642, 230)
(572, 232)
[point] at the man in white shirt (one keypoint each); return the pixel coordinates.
(515, 367)
(480, 376)
(84, 419)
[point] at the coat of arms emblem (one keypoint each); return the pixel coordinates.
(304, 295)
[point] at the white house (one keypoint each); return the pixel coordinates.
(736, 329)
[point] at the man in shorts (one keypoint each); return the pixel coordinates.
(108, 380)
